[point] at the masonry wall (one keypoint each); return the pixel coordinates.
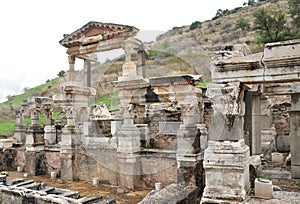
(52, 161)
(281, 120)
(162, 115)
(96, 163)
(159, 167)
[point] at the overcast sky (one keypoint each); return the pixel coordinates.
(30, 30)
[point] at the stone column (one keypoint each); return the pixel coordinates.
(226, 160)
(141, 55)
(132, 90)
(35, 137)
(256, 124)
(67, 146)
(71, 75)
(20, 128)
(87, 73)
(295, 131)
(34, 144)
(189, 161)
(75, 105)
(50, 130)
(71, 63)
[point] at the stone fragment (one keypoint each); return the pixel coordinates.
(263, 188)
(277, 158)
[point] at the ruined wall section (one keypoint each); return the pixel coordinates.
(96, 163)
(165, 113)
(158, 167)
(281, 118)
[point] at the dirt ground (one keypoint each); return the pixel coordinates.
(84, 188)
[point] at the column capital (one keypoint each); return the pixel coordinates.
(226, 98)
(71, 59)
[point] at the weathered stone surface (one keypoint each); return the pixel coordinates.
(279, 197)
(35, 163)
(277, 158)
(263, 189)
(174, 193)
(279, 62)
(255, 168)
(168, 128)
(276, 174)
(20, 192)
(226, 167)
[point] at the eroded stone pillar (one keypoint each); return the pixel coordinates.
(295, 131)
(49, 129)
(189, 161)
(226, 160)
(75, 105)
(34, 144)
(132, 90)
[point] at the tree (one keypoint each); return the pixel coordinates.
(270, 25)
(25, 89)
(61, 73)
(243, 24)
(294, 10)
(251, 2)
(220, 13)
(195, 25)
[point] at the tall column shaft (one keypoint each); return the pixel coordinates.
(87, 73)
(256, 124)
(295, 135)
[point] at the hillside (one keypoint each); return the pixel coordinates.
(181, 50)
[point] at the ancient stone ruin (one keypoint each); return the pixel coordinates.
(206, 143)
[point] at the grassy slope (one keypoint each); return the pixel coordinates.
(17, 100)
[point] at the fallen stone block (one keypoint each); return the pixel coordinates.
(174, 193)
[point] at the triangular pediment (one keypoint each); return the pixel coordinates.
(99, 31)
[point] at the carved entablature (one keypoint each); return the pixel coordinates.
(95, 37)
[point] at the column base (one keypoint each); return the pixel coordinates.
(226, 165)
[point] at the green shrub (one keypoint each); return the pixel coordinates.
(195, 25)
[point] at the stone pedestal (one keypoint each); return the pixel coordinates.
(226, 167)
(295, 133)
(226, 160)
(35, 138)
(20, 134)
(35, 163)
(129, 171)
(129, 139)
(50, 134)
(67, 153)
